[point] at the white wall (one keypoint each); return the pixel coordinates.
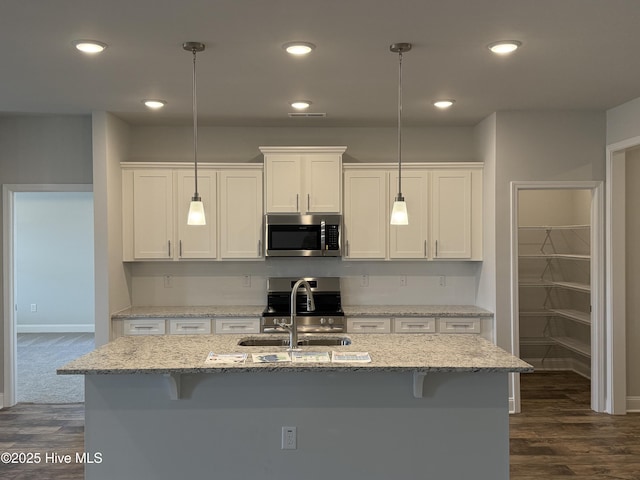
(633, 271)
(54, 258)
(44, 149)
(623, 122)
(538, 146)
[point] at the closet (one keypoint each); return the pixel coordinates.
(554, 284)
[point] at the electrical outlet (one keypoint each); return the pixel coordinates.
(246, 280)
(403, 280)
(168, 281)
(364, 281)
(443, 281)
(34, 307)
(289, 438)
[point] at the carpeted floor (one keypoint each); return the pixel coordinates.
(39, 355)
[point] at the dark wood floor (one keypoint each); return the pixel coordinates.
(556, 436)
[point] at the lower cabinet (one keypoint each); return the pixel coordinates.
(414, 325)
(369, 325)
(144, 326)
(236, 325)
(189, 326)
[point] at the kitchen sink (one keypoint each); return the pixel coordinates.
(284, 342)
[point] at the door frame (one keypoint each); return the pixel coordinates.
(601, 347)
(8, 228)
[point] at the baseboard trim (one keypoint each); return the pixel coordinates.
(58, 328)
(633, 404)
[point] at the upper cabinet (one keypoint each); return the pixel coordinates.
(444, 205)
(156, 201)
(303, 179)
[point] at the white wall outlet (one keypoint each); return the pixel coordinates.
(403, 280)
(34, 307)
(168, 281)
(246, 280)
(442, 280)
(289, 438)
(364, 280)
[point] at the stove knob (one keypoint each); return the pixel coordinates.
(330, 321)
(275, 321)
(323, 321)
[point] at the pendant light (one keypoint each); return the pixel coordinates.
(399, 213)
(196, 208)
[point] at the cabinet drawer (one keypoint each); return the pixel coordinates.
(369, 325)
(459, 325)
(237, 325)
(414, 325)
(189, 326)
(144, 326)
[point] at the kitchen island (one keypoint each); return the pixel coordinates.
(426, 406)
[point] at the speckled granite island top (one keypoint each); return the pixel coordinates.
(184, 354)
(191, 312)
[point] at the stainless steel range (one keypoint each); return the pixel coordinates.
(327, 317)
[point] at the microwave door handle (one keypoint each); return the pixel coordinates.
(323, 236)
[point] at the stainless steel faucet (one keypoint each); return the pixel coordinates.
(292, 327)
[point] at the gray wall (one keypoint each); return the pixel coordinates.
(623, 122)
(539, 146)
(44, 149)
(54, 257)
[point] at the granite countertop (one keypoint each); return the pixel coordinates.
(184, 354)
(349, 310)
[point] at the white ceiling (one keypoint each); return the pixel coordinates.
(576, 54)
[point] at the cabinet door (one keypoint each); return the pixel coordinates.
(365, 213)
(241, 214)
(410, 241)
(196, 241)
(153, 214)
(283, 182)
(451, 213)
(322, 175)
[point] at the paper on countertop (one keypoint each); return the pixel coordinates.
(225, 358)
(310, 357)
(350, 357)
(271, 357)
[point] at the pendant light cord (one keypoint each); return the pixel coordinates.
(195, 128)
(400, 125)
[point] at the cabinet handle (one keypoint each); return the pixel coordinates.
(169, 247)
(259, 248)
(297, 202)
(436, 248)
(308, 203)
(181, 248)
(347, 248)
(425, 248)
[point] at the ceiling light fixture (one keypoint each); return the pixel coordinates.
(301, 104)
(443, 104)
(196, 208)
(504, 47)
(89, 46)
(154, 104)
(399, 214)
(298, 48)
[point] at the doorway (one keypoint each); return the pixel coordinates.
(49, 289)
(556, 276)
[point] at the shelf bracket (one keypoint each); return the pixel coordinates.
(418, 384)
(173, 382)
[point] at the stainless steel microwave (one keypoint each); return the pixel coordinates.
(294, 235)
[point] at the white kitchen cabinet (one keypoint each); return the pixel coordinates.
(458, 325)
(303, 179)
(414, 325)
(368, 325)
(190, 326)
(451, 214)
(444, 206)
(410, 241)
(236, 325)
(241, 214)
(365, 214)
(156, 201)
(196, 241)
(152, 202)
(144, 326)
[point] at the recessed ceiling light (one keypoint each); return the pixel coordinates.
(89, 46)
(298, 48)
(504, 47)
(442, 104)
(301, 104)
(154, 104)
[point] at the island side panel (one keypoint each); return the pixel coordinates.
(349, 424)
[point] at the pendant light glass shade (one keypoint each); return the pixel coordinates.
(196, 214)
(399, 213)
